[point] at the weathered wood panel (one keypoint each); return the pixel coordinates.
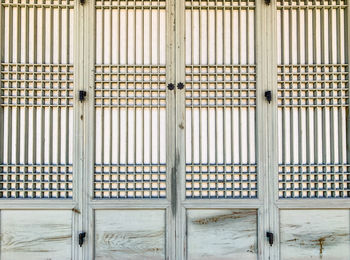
(222, 234)
(130, 234)
(36, 234)
(315, 234)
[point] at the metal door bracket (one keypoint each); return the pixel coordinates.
(268, 96)
(267, 2)
(81, 238)
(82, 2)
(180, 85)
(82, 95)
(269, 235)
(171, 86)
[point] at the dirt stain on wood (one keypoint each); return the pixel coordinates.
(76, 210)
(320, 242)
(219, 218)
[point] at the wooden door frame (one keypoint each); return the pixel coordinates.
(263, 48)
(91, 204)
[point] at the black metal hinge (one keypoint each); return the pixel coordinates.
(268, 96)
(81, 238)
(267, 2)
(82, 2)
(82, 95)
(269, 235)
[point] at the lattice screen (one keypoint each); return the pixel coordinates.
(313, 99)
(130, 99)
(36, 99)
(220, 99)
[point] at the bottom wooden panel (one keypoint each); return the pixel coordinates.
(221, 234)
(314, 234)
(129, 234)
(36, 234)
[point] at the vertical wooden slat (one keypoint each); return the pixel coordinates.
(2, 59)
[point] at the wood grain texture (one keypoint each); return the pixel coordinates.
(130, 234)
(315, 234)
(36, 234)
(222, 234)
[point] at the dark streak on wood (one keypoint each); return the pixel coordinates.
(332, 238)
(132, 235)
(173, 191)
(132, 242)
(222, 234)
(321, 240)
(12, 242)
(76, 210)
(128, 250)
(219, 218)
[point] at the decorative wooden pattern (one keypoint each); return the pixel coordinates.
(313, 98)
(220, 99)
(130, 234)
(221, 234)
(36, 234)
(36, 99)
(130, 100)
(315, 234)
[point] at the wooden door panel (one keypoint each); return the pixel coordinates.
(222, 234)
(36, 234)
(315, 234)
(130, 234)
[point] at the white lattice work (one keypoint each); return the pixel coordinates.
(220, 99)
(36, 85)
(130, 100)
(317, 86)
(36, 99)
(219, 4)
(313, 99)
(314, 181)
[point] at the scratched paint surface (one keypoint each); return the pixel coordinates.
(222, 234)
(36, 234)
(130, 234)
(315, 234)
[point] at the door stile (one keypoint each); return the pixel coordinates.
(263, 49)
(271, 121)
(180, 149)
(90, 122)
(79, 135)
(172, 187)
(89, 127)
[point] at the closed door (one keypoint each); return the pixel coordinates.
(129, 144)
(163, 129)
(220, 201)
(38, 140)
(312, 129)
(173, 121)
